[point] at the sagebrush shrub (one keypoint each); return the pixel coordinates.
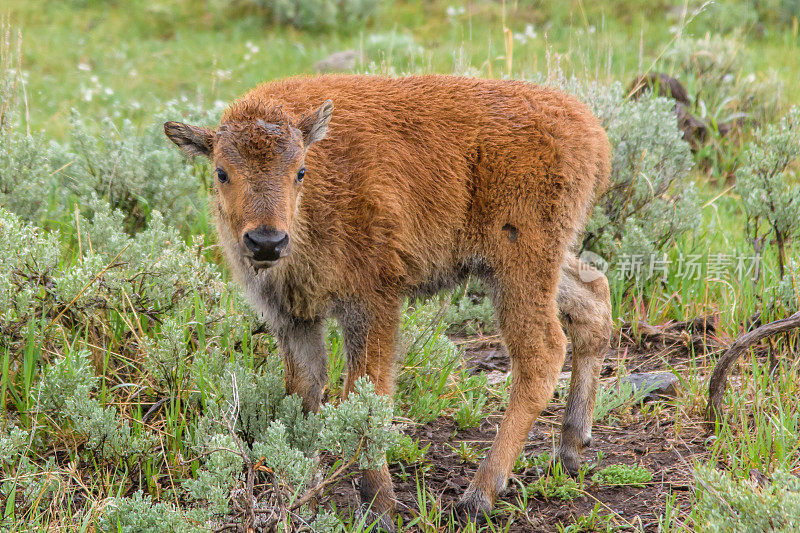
(154, 272)
(316, 14)
(196, 327)
(728, 504)
(27, 254)
(651, 200)
(68, 377)
(140, 514)
(788, 290)
(135, 171)
(432, 365)
(360, 426)
(30, 183)
(766, 183)
(712, 67)
(470, 308)
(754, 15)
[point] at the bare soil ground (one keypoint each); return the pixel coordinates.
(652, 441)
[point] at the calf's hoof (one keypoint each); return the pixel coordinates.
(570, 457)
(570, 460)
(383, 521)
(474, 506)
(378, 499)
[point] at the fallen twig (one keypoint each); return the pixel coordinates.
(719, 378)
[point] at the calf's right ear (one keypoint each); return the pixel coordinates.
(193, 140)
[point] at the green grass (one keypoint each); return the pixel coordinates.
(146, 53)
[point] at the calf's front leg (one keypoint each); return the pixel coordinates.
(305, 360)
(370, 333)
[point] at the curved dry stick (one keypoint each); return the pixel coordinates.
(719, 378)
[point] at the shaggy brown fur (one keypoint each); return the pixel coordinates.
(418, 182)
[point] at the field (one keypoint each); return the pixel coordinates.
(139, 391)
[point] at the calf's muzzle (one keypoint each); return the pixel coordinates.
(265, 245)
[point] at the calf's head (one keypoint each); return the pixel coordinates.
(258, 154)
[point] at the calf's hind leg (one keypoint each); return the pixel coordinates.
(526, 310)
(584, 305)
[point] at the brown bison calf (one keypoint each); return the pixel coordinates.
(411, 185)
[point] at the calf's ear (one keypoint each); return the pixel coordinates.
(193, 140)
(314, 125)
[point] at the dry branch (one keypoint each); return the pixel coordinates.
(719, 378)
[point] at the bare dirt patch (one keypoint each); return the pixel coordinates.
(650, 440)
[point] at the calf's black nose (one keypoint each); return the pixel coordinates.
(266, 244)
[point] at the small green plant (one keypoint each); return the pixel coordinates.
(432, 380)
(470, 412)
(615, 396)
(407, 451)
(594, 522)
(668, 521)
(622, 474)
(524, 462)
(431, 515)
(467, 453)
(558, 485)
(470, 309)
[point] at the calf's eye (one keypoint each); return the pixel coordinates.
(300, 174)
(222, 176)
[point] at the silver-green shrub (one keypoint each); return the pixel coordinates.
(140, 514)
(788, 290)
(431, 376)
(195, 328)
(26, 483)
(651, 200)
(752, 15)
(30, 183)
(65, 394)
(221, 472)
(134, 170)
(106, 433)
(27, 255)
(154, 271)
(766, 183)
(360, 427)
(272, 430)
(727, 504)
(713, 69)
(68, 377)
(317, 14)
(290, 464)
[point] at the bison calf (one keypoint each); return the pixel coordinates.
(411, 185)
